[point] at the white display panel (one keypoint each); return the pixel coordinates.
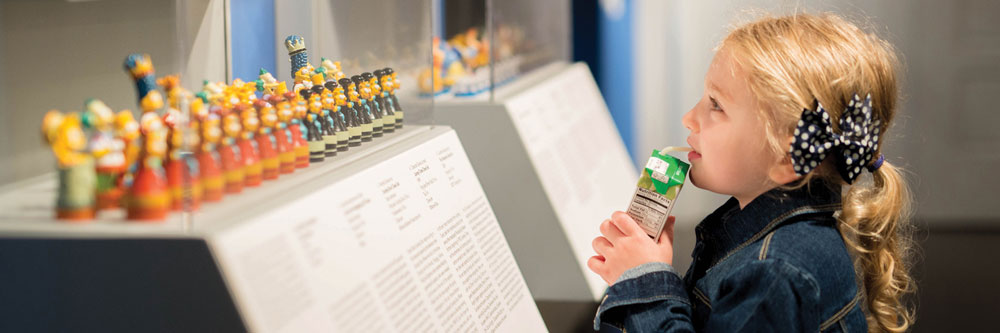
(408, 244)
(578, 155)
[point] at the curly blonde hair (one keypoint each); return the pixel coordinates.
(789, 62)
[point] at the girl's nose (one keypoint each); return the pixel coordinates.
(689, 122)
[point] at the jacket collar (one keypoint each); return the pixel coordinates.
(730, 228)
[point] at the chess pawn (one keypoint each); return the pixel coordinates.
(317, 144)
(76, 199)
(326, 126)
(332, 69)
(148, 199)
(362, 108)
(183, 183)
(338, 114)
(392, 95)
(349, 113)
(388, 116)
(284, 141)
(230, 154)
(299, 143)
(253, 170)
(107, 150)
(266, 142)
(208, 158)
(368, 93)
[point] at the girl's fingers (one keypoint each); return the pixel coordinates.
(609, 230)
(601, 245)
(626, 224)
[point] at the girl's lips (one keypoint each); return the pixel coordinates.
(693, 155)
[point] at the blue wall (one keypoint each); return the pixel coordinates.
(254, 41)
(604, 40)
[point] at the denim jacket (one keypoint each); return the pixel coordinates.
(777, 265)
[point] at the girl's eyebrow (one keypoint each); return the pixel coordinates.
(713, 86)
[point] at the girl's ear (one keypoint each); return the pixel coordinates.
(782, 172)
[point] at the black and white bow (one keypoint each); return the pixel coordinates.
(854, 147)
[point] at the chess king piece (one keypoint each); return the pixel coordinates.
(140, 68)
(297, 55)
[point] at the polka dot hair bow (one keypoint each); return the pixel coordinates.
(853, 148)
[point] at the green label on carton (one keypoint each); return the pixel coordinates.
(664, 174)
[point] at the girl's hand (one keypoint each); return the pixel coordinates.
(625, 245)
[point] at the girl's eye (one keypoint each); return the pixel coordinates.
(715, 104)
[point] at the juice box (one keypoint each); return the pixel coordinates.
(656, 192)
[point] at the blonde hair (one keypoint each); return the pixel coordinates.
(790, 61)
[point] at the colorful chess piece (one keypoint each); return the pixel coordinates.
(268, 85)
(371, 105)
(362, 109)
(317, 145)
(76, 197)
(140, 68)
(180, 166)
(254, 171)
(284, 140)
(108, 152)
(230, 153)
(299, 135)
(266, 142)
(318, 100)
(332, 68)
(127, 130)
(394, 80)
(147, 198)
(297, 54)
(336, 117)
(388, 115)
(209, 162)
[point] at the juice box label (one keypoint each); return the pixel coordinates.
(656, 192)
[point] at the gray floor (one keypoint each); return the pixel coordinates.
(956, 272)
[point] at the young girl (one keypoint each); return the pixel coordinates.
(793, 114)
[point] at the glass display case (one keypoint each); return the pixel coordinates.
(482, 45)
(76, 58)
(302, 203)
(540, 136)
(364, 37)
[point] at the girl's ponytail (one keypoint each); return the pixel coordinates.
(876, 226)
